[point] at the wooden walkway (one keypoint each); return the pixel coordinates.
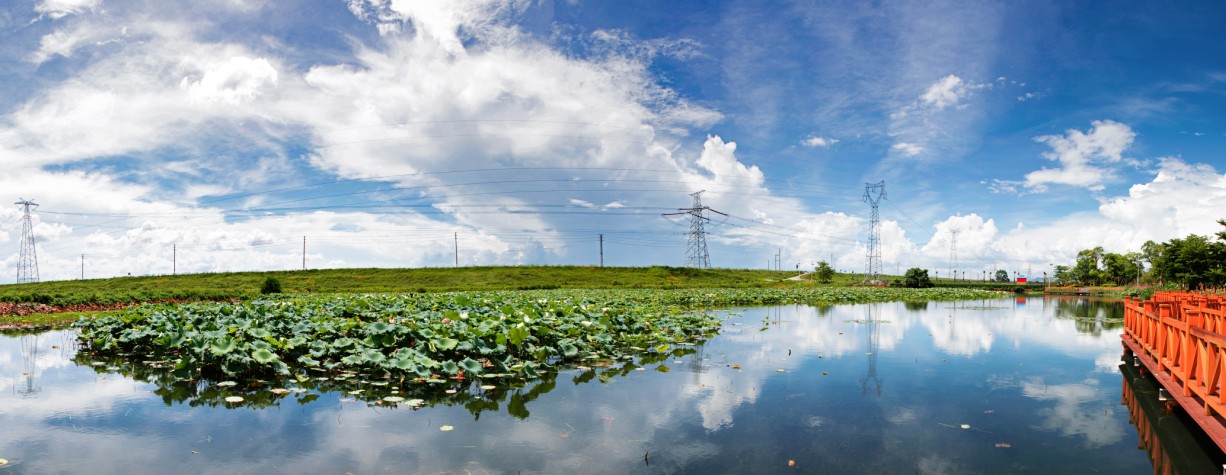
(1178, 338)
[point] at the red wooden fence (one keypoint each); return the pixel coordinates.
(1179, 337)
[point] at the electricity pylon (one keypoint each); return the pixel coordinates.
(696, 247)
(27, 261)
(873, 194)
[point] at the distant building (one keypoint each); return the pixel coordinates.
(1021, 278)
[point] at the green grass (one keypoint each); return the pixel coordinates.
(246, 285)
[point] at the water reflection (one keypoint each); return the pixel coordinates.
(871, 379)
(1092, 315)
(29, 363)
(1169, 438)
(1034, 391)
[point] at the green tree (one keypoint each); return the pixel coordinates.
(1002, 275)
(916, 278)
(1194, 261)
(1152, 252)
(824, 272)
(1062, 274)
(1121, 269)
(1087, 271)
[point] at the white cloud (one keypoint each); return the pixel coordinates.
(818, 141)
(907, 149)
(1181, 199)
(56, 9)
(946, 92)
(1084, 157)
(238, 79)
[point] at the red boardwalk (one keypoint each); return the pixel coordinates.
(1179, 338)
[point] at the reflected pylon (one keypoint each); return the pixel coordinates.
(874, 342)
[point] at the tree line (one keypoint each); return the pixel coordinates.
(1191, 262)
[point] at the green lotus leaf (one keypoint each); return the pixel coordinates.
(470, 366)
(263, 356)
(223, 347)
(445, 344)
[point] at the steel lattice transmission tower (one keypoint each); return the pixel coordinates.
(27, 261)
(696, 247)
(953, 254)
(873, 194)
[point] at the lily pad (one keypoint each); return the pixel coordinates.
(280, 391)
(393, 399)
(234, 399)
(489, 387)
(446, 428)
(226, 384)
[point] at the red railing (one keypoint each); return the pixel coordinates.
(1179, 338)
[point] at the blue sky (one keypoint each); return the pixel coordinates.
(217, 135)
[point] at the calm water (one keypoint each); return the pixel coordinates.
(883, 388)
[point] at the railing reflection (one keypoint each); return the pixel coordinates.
(1174, 444)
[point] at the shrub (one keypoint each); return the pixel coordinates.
(917, 278)
(271, 286)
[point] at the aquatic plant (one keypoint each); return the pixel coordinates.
(427, 337)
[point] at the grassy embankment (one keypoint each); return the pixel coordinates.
(60, 302)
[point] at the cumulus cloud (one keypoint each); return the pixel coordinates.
(818, 141)
(1085, 158)
(1181, 199)
(453, 86)
(946, 92)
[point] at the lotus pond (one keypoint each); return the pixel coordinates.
(585, 382)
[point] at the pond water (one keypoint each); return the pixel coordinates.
(1001, 386)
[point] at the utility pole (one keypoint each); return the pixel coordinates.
(303, 252)
(696, 248)
(873, 194)
(456, 237)
(602, 250)
(27, 262)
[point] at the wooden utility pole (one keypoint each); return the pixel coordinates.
(602, 250)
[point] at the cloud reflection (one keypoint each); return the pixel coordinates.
(702, 414)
